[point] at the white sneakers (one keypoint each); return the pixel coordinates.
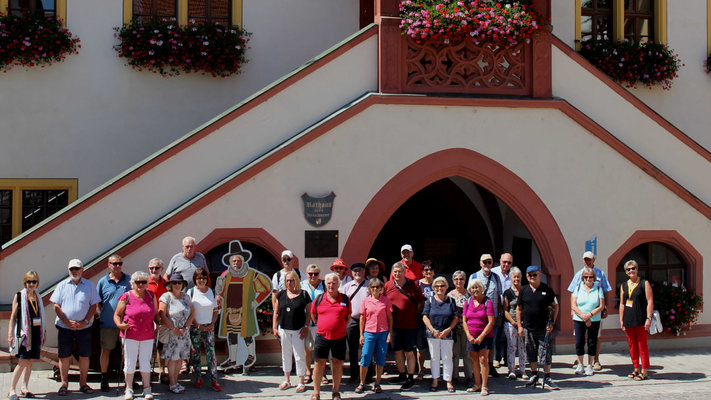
(589, 370)
(579, 370)
(128, 395)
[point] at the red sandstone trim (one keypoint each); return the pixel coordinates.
(257, 236)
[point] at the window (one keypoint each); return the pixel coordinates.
(596, 22)
(25, 203)
(209, 12)
(41, 7)
(639, 20)
(658, 263)
(148, 10)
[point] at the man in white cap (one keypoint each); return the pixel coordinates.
(288, 262)
(186, 262)
(589, 261)
(413, 269)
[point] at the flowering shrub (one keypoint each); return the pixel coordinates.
(707, 64)
(265, 313)
(32, 40)
(167, 48)
(629, 63)
(677, 306)
(457, 20)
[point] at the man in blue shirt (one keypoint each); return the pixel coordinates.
(589, 261)
(110, 288)
(75, 301)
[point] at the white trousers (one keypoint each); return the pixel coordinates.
(292, 345)
(441, 350)
(133, 351)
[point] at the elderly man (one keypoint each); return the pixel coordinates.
(186, 262)
(492, 290)
(110, 288)
(533, 315)
(75, 301)
(287, 262)
(502, 271)
(357, 291)
(156, 285)
(413, 269)
(407, 301)
(332, 311)
(340, 268)
(589, 261)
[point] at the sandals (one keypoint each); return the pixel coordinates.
(377, 389)
(433, 386)
(308, 379)
(176, 389)
(315, 397)
(284, 385)
(62, 391)
(633, 375)
(27, 394)
(640, 377)
(12, 396)
(419, 377)
(474, 389)
(86, 389)
(360, 389)
(336, 396)
(450, 389)
(484, 391)
(325, 380)
(300, 388)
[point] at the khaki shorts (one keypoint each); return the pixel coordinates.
(109, 338)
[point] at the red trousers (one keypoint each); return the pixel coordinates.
(637, 340)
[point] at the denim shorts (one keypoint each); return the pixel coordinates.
(486, 344)
(374, 343)
(66, 338)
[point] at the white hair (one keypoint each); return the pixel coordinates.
(138, 275)
(189, 238)
(333, 275)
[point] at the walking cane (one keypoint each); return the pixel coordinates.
(118, 382)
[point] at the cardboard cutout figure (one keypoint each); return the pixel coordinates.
(242, 289)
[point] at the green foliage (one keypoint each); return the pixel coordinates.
(678, 307)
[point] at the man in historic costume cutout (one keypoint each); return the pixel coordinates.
(243, 289)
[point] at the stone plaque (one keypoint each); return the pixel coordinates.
(318, 210)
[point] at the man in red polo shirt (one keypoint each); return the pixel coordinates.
(413, 269)
(407, 301)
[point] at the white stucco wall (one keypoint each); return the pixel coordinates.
(91, 117)
(563, 20)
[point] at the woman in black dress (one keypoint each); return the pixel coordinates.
(635, 318)
(27, 318)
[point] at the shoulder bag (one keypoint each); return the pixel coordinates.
(19, 336)
(164, 333)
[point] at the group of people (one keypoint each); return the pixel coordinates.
(490, 315)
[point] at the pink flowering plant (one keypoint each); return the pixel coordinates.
(678, 307)
(630, 63)
(512, 22)
(166, 48)
(34, 40)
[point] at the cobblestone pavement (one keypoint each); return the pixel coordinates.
(677, 374)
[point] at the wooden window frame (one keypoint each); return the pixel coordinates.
(154, 11)
(235, 12)
(60, 9)
(208, 12)
(595, 13)
(636, 17)
(618, 21)
(18, 185)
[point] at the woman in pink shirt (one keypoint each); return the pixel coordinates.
(479, 326)
(134, 316)
(376, 325)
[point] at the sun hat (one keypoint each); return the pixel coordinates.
(176, 277)
(381, 265)
(338, 263)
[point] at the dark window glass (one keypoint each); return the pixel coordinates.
(148, 10)
(639, 20)
(657, 262)
(5, 216)
(596, 20)
(47, 8)
(209, 12)
(261, 260)
(38, 205)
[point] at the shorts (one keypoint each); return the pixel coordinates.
(404, 340)
(422, 345)
(532, 341)
(66, 338)
(374, 343)
(109, 337)
(323, 346)
(486, 344)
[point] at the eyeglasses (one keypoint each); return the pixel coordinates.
(154, 268)
(631, 269)
(289, 280)
(458, 279)
(506, 262)
(532, 275)
(376, 287)
(314, 273)
(201, 278)
(439, 286)
(588, 277)
(74, 269)
(140, 282)
(286, 260)
(338, 268)
(116, 264)
(488, 262)
(31, 282)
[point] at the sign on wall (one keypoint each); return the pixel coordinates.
(318, 210)
(591, 245)
(320, 244)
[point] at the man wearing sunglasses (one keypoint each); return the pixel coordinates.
(186, 262)
(493, 291)
(502, 271)
(589, 261)
(110, 288)
(288, 263)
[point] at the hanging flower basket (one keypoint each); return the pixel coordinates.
(512, 22)
(166, 48)
(630, 63)
(678, 307)
(32, 40)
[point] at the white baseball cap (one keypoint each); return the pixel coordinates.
(287, 253)
(589, 254)
(75, 263)
(405, 247)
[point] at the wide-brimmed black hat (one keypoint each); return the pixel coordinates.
(235, 248)
(176, 277)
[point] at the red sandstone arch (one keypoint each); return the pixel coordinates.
(257, 236)
(491, 175)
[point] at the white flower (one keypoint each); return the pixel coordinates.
(205, 43)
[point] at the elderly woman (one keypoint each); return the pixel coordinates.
(291, 312)
(514, 342)
(375, 268)
(440, 317)
(177, 314)
(314, 286)
(479, 327)
(460, 295)
(332, 311)
(635, 318)
(134, 316)
(27, 318)
(587, 303)
(376, 325)
(207, 309)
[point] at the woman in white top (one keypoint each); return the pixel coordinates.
(202, 331)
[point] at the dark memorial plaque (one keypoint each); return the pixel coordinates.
(318, 210)
(321, 244)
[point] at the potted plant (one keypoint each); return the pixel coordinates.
(678, 307)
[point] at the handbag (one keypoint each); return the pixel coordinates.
(19, 335)
(164, 333)
(656, 325)
(309, 341)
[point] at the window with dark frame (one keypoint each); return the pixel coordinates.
(38, 205)
(596, 20)
(145, 11)
(48, 8)
(5, 216)
(639, 20)
(209, 12)
(657, 262)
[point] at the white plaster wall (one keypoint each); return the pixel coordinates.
(622, 119)
(91, 117)
(121, 214)
(623, 198)
(563, 20)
